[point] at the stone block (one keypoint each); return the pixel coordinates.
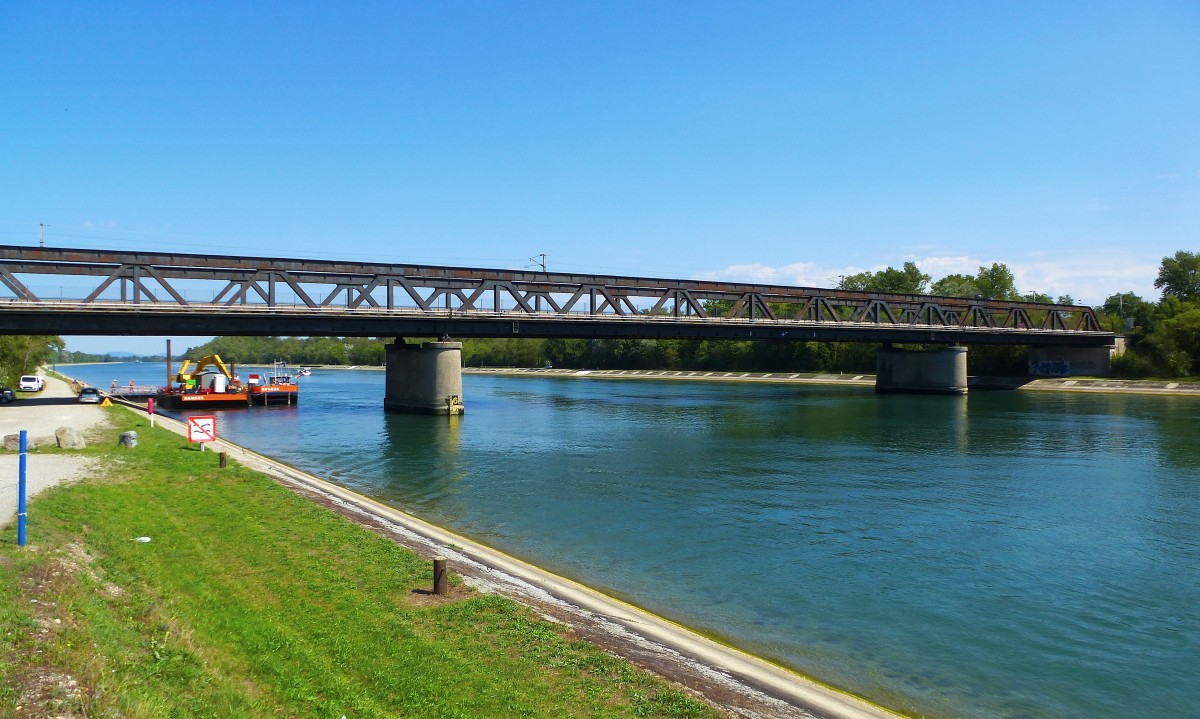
(69, 438)
(12, 442)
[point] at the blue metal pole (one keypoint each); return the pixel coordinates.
(21, 492)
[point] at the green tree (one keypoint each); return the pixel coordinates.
(956, 285)
(1124, 311)
(504, 352)
(997, 282)
(1123, 304)
(717, 308)
(909, 281)
(1174, 344)
(562, 352)
(21, 354)
(998, 360)
(1179, 276)
(295, 350)
(859, 282)
(364, 351)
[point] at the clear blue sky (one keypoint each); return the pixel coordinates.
(784, 141)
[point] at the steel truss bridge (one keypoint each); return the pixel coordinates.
(146, 293)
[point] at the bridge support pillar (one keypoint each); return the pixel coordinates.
(424, 379)
(1070, 361)
(942, 371)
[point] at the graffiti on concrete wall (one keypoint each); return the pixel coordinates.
(1049, 368)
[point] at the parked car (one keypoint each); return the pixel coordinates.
(31, 383)
(7, 395)
(89, 395)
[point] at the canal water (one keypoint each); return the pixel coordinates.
(1007, 554)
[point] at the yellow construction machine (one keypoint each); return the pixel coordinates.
(186, 375)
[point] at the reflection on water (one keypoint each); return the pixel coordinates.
(1007, 554)
(409, 469)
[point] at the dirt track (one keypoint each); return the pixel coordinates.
(40, 415)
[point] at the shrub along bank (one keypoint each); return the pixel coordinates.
(251, 601)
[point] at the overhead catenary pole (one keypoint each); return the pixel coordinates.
(539, 259)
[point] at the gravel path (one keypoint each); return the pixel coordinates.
(41, 414)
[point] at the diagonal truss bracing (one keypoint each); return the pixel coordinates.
(162, 279)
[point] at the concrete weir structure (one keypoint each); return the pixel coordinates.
(424, 378)
(941, 371)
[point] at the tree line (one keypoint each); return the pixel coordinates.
(294, 350)
(1164, 336)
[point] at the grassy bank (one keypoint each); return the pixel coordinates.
(250, 601)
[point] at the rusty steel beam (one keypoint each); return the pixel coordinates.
(251, 282)
(40, 260)
(218, 321)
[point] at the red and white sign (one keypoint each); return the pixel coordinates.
(202, 429)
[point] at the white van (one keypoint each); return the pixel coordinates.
(31, 383)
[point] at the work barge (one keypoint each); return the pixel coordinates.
(210, 383)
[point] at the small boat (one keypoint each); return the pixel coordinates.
(277, 388)
(303, 372)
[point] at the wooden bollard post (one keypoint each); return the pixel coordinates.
(224, 459)
(439, 575)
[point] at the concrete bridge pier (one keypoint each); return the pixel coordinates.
(941, 371)
(424, 378)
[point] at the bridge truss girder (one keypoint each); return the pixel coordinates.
(249, 283)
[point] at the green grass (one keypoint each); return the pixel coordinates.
(250, 601)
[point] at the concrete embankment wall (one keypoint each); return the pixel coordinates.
(855, 380)
(1070, 361)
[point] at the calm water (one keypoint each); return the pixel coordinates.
(1002, 555)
